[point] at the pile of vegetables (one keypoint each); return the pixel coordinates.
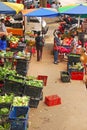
(77, 66)
(34, 83)
(5, 126)
(15, 78)
(4, 71)
(21, 101)
(4, 111)
(6, 98)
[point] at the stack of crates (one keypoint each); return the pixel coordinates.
(22, 66)
(76, 74)
(18, 117)
(4, 112)
(34, 91)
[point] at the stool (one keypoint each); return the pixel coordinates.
(52, 100)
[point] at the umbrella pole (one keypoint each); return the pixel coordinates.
(78, 21)
(42, 26)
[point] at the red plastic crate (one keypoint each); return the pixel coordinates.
(44, 78)
(77, 75)
(52, 100)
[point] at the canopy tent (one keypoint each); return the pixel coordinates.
(79, 10)
(10, 8)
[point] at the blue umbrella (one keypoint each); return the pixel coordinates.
(42, 12)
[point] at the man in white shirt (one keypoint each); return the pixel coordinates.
(3, 27)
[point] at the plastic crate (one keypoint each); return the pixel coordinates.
(22, 72)
(19, 113)
(69, 69)
(19, 125)
(77, 75)
(15, 87)
(17, 121)
(34, 102)
(22, 63)
(44, 78)
(32, 91)
(73, 58)
(6, 104)
(65, 76)
(52, 100)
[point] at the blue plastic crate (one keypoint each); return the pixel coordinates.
(19, 118)
(19, 125)
(19, 113)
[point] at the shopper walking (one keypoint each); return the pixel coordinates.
(39, 45)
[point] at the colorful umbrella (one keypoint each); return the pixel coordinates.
(73, 9)
(10, 8)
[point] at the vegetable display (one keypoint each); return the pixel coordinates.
(4, 71)
(34, 82)
(6, 98)
(21, 101)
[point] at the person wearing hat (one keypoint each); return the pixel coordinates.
(56, 45)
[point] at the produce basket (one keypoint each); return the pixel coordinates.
(77, 75)
(33, 88)
(4, 124)
(65, 76)
(6, 100)
(19, 118)
(34, 102)
(22, 63)
(14, 84)
(73, 58)
(22, 72)
(4, 112)
(44, 78)
(19, 113)
(78, 67)
(21, 101)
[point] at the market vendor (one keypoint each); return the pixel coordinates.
(3, 30)
(3, 43)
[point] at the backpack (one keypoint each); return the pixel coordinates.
(41, 43)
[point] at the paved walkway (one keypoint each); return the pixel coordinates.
(72, 113)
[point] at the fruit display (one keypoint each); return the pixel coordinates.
(13, 39)
(30, 33)
(21, 101)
